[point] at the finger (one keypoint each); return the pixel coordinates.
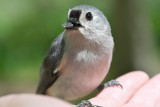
(5, 100)
(31, 100)
(158, 104)
(148, 95)
(115, 96)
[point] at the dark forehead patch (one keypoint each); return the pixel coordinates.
(75, 14)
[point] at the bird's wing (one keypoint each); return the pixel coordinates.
(49, 72)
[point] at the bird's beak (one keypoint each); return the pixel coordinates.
(72, 23)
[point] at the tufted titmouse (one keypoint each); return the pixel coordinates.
(79, 58)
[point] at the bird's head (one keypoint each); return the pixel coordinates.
(88, 20)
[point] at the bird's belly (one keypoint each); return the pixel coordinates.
(79, 80)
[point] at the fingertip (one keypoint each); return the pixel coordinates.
(138, 74)
(4, 100)
(157, 76)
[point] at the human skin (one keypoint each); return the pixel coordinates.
(138, 91)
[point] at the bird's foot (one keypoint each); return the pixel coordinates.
(110, 83)
(86, 103)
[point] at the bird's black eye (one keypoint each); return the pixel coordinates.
(89, 16)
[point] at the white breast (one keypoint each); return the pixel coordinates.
(86, 56)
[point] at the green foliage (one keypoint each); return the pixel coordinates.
(155, 16)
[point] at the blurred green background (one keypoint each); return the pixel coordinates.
(27, 28)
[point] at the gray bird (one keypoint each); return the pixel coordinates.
(79, 58)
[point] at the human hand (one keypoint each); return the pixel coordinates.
(138, 90)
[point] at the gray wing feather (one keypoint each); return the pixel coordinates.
(50, 63)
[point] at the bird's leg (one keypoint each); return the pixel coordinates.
(86, 103)
(108, 84)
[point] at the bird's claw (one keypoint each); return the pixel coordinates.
(112, 83)
(86, 103)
